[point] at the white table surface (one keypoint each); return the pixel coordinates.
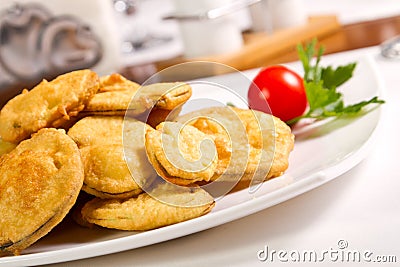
(361, 207)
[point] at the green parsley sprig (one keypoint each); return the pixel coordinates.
(321, 85)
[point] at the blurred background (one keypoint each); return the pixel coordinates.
(42, 39)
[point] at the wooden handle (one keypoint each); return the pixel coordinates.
(260, 48)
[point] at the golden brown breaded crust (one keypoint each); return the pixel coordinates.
(39, 182)
(116, 103)
(274, 137)
(6, 147)
(116, 82)
(104, 195)
(168, 95)
(107, 174)
(113, 152)
(265, 145)
(100, 130)
(135, 101)
(159, 115)
(114, 95)
(145, 212)
(221, 139)
(181, 154)
(49, 104)
(97, 130)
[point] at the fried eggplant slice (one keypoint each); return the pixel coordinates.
(115, 91)
(49, 104)
(260, 140)
(113, 152)
(181, 154)
(136, 101)
(115, 103)
(145, 212)
(107, 174)
(40, 181)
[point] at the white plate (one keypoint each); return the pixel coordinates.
(313, 162)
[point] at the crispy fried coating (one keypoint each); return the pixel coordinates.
(167, 95)
(113, 152)
(125, 97)
(260, 140)
(98, 130)
(102, 130)
(116, 82)
(145, 212)
(276, 139)
(181, 154)
(107, 174)
(6, 147)
(49, 104)
(115, 103)
(114, 96)
(159, 115)
(39, 182)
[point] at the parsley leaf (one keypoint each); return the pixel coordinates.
(335, 77)
(321, 85)
(353, 109)
(311, 73)
(319, 97)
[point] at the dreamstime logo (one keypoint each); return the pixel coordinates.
(340, 253)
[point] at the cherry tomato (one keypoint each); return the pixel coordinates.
(279, 91)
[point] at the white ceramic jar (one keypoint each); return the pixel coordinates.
(261, 17)
(287, 13)
(207, 37)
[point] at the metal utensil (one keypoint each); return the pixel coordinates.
(391, 48)
(145, 42)
(215, 12)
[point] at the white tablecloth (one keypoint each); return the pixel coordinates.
(361, 208)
